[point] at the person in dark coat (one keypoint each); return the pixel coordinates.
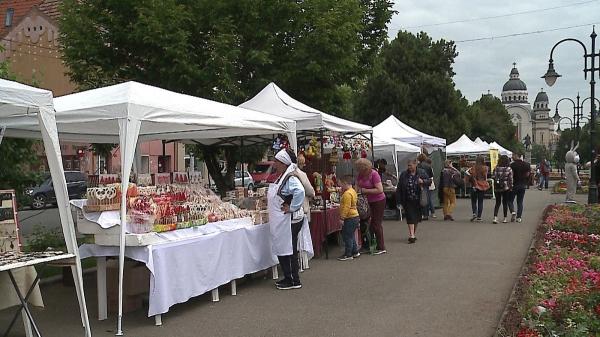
(408, 194)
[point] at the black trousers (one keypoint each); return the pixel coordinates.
(289, 263)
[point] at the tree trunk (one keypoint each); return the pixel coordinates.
(223, 182)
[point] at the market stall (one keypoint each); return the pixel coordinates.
(329, 144)
(463, 152)
(393, 128)
(396, 154)
(28, 112)
(130, 112)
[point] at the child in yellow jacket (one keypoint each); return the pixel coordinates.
(350, 219)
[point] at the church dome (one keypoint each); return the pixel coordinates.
(514, 84)
(541, 97)
(514, 90)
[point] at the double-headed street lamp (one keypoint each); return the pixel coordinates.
(551, 76)
(577, 114)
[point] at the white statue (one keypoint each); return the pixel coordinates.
(571, 160)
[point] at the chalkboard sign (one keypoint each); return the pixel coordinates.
(9, 229)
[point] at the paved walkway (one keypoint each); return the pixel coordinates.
(454, 281)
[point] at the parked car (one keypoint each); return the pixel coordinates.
(264, 173)
(248, 181)
(43, 194)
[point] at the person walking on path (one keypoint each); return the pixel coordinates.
(411, 184)
(425, 165)
(478, 177)
(369, 184)
(503, 180)
(285, 198)
(450, 179)
(544, 175)
(349, 219)
(521, 174)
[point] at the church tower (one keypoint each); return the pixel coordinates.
(543, 125)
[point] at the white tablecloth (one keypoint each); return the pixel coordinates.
(188, 268)
(24, 278)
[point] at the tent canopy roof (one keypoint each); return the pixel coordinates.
(393, 128)
(500, 149)
(20, 100)
(274, 101)
(399, 146)
(94, 115)
(464, 145)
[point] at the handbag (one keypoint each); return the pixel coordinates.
(362, 205)
(423, 199)
(481, 185)
(432, 186)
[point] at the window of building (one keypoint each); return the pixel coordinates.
(519, 98)
(145, 164)
(8, 19)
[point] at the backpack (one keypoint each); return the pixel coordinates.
(362, 205)
(499, 181)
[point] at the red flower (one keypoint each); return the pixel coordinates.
(527, 332)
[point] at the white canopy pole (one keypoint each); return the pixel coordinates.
(2, 130)
(129, 130)
(47, 124)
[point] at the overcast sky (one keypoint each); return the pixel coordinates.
(485, 65)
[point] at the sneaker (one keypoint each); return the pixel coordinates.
(425, 218)
(495, 221)
(505, 220)
(379, 252)
(519, 220)
(281, 282)
(513, 217)
(479, 220)
(287, 285)
(356, 255)
(451, 218)
(473, 217)
(434, 216)
(412, 240)
(345, 258)
(446, 217)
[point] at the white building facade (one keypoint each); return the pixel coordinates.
(535, 121)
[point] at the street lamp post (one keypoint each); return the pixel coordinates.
(551, 76)
(577, 114)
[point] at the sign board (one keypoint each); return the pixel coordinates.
(9, 229)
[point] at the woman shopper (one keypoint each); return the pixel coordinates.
(503, 181)
(425, 165)
(410, 186)
(450, 179)
(478, 177)
(369, 183)
(285, 198)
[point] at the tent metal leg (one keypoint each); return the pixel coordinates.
(101, 287)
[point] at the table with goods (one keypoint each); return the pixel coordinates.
(190, 240)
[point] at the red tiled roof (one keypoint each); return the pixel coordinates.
(50, 8)
(20, 7)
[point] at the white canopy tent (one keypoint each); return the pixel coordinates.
(399, 152)
(465, 146)
(274, 101)
(482, 142)
(21, 108)
(128, 112)
(393, 128)
(500, 149)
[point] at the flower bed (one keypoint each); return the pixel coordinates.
(561, 188)
(559, 292)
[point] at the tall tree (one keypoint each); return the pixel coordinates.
(18, 156)
(412, 80)
(490, 121)
(226, 50)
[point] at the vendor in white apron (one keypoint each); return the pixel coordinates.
(285, 198)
